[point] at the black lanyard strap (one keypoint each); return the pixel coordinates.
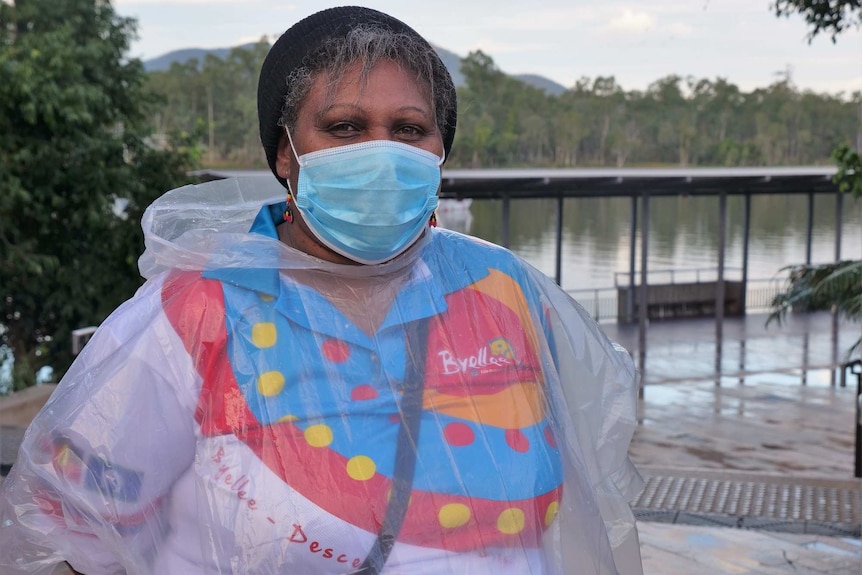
(405, 449)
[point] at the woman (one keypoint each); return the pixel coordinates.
(329, 384)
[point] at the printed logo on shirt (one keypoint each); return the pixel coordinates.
(498, 353)
(500, 346)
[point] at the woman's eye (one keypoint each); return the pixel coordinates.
(343, 128)
(411, 131)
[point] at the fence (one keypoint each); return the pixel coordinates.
(602, 305)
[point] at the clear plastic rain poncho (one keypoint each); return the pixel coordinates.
(256, 411)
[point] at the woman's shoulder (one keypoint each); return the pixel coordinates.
(475, 251)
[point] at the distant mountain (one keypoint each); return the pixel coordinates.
(549, 86)
(163, 62)
(451, 60)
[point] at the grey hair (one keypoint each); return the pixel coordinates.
(370, 44)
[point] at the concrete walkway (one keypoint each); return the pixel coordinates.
(697, 550)
(775, 418)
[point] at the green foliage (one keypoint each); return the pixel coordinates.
(835, 286)
(849, 175)
(827, 16)
(676, 121)
(73, 111)
(216, 101)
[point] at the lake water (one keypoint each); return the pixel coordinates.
(683, 234)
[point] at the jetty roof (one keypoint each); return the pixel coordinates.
(593, 182)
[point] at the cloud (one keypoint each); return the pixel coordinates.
(679, 29)
(847, 86)
(631, 21)
(494, 48)
(169, 2)
(546, 19)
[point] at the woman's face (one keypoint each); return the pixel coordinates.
(388, 104)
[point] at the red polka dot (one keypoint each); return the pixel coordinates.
(549, 437)
(395, 418)
(335, 350)
(517, 440)
(458, 434)
(363, 393)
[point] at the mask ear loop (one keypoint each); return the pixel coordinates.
(288, 211)
(292, 147)
(432, 221)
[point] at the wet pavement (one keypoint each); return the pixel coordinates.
(800, 350)
(806, 431)
(779, 416)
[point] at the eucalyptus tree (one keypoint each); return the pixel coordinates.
(823, 16)
(72, 150)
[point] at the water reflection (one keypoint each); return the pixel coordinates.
(732, 398)
(455, 215)
(683, 233)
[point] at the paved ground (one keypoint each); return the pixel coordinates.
(696, 550)
(806, 431)
(769, 416)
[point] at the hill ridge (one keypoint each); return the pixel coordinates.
(450, 59)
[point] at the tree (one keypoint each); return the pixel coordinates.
(838, 285)
(75, 173)
(827, 16)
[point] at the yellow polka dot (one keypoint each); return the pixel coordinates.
(263, 334)
(266, 297)
(318, 435)
(270, 383)
(361, 468)
(288, 418)
(453, 515)
(551, 513)
(511, 521)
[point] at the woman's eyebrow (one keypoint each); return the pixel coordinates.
(354, 108)
(423, 111)
(320, 114)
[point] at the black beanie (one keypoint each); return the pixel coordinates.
(299, 41)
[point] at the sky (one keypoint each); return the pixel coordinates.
(636, 41)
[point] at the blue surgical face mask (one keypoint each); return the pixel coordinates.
(369, 201)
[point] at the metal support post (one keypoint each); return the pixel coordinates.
(559, 251)
(746, 232)
(643, 295)
(809, 229)
(506, 212)
(630, 298)
(719, 285)
(856, 368)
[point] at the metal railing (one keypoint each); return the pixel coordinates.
(677, 275)
(602, 304)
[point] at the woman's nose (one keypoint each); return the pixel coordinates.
(379, 133)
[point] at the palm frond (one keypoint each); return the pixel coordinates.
(834, 286)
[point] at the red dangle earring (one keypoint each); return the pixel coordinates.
(432, 223)
(288, 211)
